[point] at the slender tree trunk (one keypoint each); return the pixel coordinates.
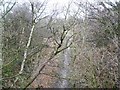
(28, 43)
(26, 49)
(29, 40)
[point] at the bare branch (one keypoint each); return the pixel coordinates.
(9, 10)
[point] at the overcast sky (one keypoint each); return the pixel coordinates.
(64, 1)
(60, 3)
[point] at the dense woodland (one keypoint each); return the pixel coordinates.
(77, 46)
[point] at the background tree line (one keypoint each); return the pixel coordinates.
(33, 39)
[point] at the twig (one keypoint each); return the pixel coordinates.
(9, 10)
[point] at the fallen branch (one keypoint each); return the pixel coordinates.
(45, 63)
